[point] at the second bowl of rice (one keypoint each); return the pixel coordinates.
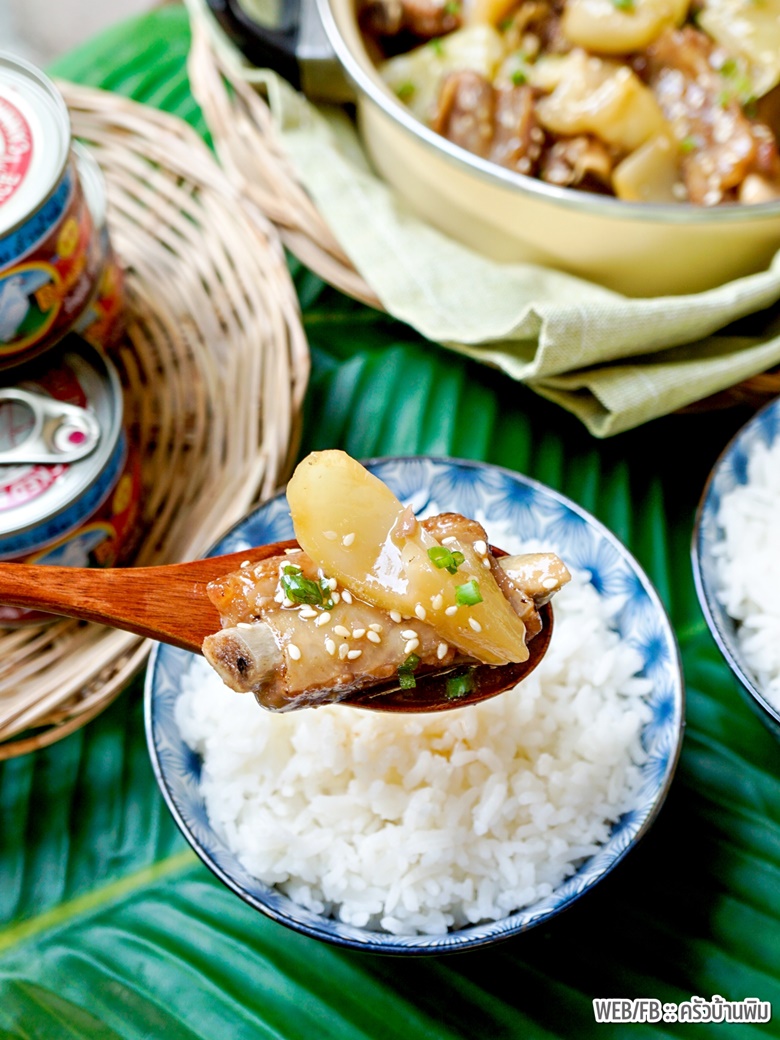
(736, 559)
(437, 832)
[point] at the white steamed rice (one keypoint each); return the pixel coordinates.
(422, 823)
(747, 567)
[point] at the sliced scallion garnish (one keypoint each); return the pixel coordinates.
(300, 589)
(406, 679)
(448, 559)
(468, 594)
(459, 685)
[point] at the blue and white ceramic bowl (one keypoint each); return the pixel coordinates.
(729, 471)
(519, 504)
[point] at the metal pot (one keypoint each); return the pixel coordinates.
(640, 249)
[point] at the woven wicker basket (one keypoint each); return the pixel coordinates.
(214, 366)
(245, 139)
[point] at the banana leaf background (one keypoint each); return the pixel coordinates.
(109, 926)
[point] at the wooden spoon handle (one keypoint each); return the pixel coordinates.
(121, 597)
(167, 603)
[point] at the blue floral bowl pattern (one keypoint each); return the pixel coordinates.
(513, 502)
(729, 471)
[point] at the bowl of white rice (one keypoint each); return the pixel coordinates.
(434, 833)
(736, 559)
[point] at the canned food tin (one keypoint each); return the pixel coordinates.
(103, 322)
(69, 482)
(50, 256)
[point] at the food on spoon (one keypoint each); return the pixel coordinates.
(647, 100)
(373, 595)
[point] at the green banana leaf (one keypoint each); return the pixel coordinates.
(109, 926)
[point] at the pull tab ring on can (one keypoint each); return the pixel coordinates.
(54, 431)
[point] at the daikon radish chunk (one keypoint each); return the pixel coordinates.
(350, 522)
(750, 30)
(651, 173)
(606, 27)
(595, 96)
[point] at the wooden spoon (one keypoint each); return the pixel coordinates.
(170, 604)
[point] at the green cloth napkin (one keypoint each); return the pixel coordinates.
(613, 361)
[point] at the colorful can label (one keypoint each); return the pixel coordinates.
(103, 322)
(44, 293)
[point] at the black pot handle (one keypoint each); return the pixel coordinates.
(293, 43)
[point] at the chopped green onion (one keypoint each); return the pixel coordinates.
(327, 594)
(468, 595)
(300, 589)
(729, 67)
(305, 590)
(459, 685)
(688, 144)
(519, 77)
(406, 679)
(405, 92)
(442, 557)
(436, 46)
(452, 7)
(623, 5)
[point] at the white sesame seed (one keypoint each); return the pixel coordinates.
(549, 583)
(352, 655)
(247, 563)
(437, 601)
(340, 630)
(343, 651)
(243, 624)
(335, 597)
(449, 541)
(411, 646)
(419, 610)
(441, 650)
(450, 611)
(332, 584)
(330, 646)
(375, 627)
(294, 651)
(486, 563)
(278, 597)
(290, 552)
(373, 636)
(348, 539)
(323, 619)
(287, 602)
(346, 595)
(475, 624)
(408, 633)
(480, 547)
(395, 616)
(306, 612)
(358, 633)
(330, 535)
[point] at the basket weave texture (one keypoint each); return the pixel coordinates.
(214, 366)
(242, 129)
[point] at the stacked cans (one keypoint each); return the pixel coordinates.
(69, 484)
